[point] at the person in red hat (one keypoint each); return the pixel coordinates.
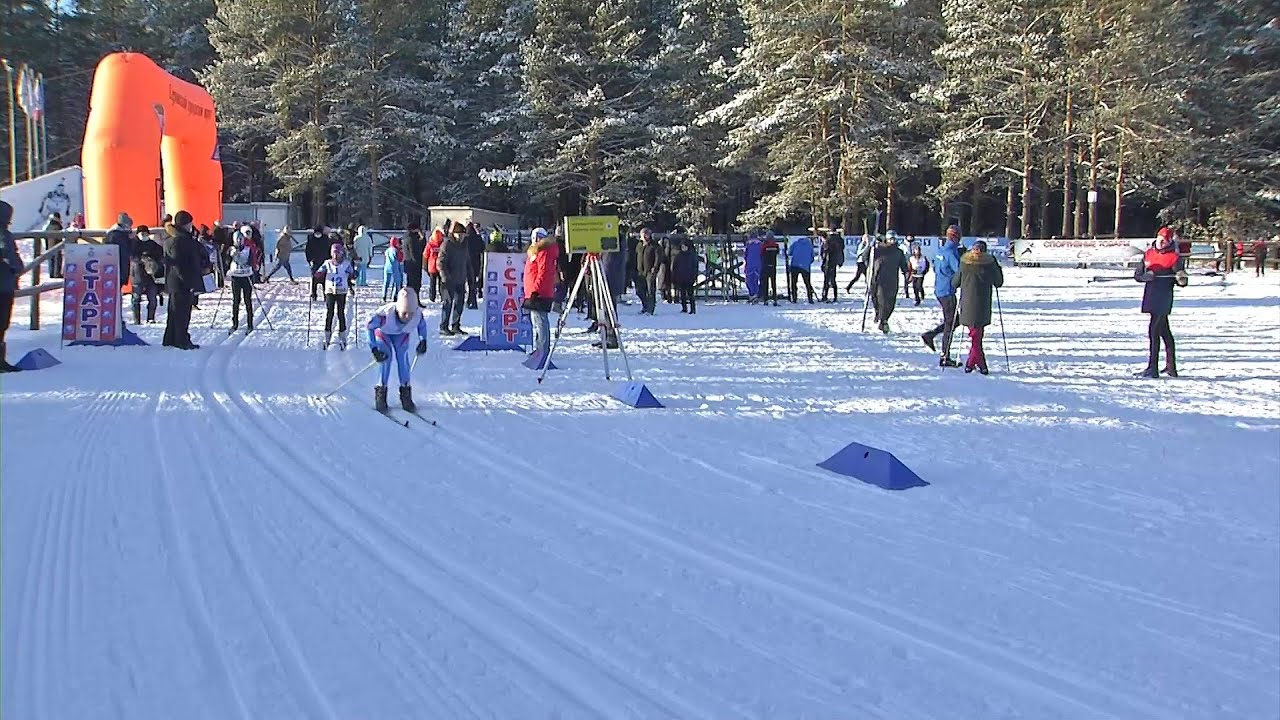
(1162, 268)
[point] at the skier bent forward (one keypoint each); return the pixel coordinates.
(389, 330)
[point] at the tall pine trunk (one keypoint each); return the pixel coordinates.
(1068, 165)
(1009, 214)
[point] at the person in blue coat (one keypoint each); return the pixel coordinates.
(945, 266)
(389, 329)
(799, 261)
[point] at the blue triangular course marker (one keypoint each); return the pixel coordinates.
(127, 337)
(872, 466)
(474, 344)
(37, 359)
(534, 362)
(636, 395)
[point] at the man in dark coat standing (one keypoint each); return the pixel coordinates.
(10, 270)
(475, 266)
(317, 251)
(979, 275)
(455, 268)
(832, 261)
(183, 280)
(415, 245)
(887, 264)
(649, 261)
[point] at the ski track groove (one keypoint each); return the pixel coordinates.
(179, 554)
(801, 666)
(282, 640)
(383, 550)
(31, 615)
(835, 514)
(819, 597)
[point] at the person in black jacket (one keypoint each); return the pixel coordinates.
(454, 266)
(832, 261)
(415, 245)
(886, 266)
(10, 269)
(649, 261)
(317, 251)
(182, 253)
(684, 274)
(475, 266)
(145, 265)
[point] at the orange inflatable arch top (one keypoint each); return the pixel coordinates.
(139, 115)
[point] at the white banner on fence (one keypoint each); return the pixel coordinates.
(1077, 251)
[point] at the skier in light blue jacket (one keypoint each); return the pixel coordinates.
(389, 329)
(945, 265)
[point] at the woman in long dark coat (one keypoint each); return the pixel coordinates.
(979, 275)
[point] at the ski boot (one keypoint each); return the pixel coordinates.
(380, 398)
(947, 362)
(1150, 372)
(248, 329)
(342, 341)
(457, 330)
(137, 316)
(235, 325)
(884, 327)
(328, 340)
(928, 341)
(406, 398)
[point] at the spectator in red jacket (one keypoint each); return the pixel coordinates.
(540, 287)
(431, 258)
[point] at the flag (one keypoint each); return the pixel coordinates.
(24, 89)
(37, 98)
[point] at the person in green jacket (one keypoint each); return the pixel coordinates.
(979, 275)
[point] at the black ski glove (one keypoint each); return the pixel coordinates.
(422, 346)
(379, 355)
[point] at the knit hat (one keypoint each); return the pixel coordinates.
(406, 303)
(183, 218)
(125, 220)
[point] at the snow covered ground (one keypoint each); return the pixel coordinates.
(199, 535)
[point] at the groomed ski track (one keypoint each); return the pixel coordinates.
(211, 539)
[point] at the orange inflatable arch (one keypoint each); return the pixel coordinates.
(138, 116)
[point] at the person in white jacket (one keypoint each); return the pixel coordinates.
(364, 255)
(241, 272)
(338, 275)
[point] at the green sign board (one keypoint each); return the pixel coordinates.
(591, 234)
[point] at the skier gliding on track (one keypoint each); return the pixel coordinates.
(389, 330)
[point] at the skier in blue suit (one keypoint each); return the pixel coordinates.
(389, 331)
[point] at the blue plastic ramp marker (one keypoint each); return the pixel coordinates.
(37, 359)
(475, 344)
(534, 362)
(636, 395)
(471, 344)
(873, 466)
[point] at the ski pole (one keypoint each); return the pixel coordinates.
(348, 381)
(217, 305)
(265, 315)
(1000, 314)
(310, 302)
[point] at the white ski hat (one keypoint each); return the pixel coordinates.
(406, 302)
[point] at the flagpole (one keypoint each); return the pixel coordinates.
(13, 134)
(26, 120)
